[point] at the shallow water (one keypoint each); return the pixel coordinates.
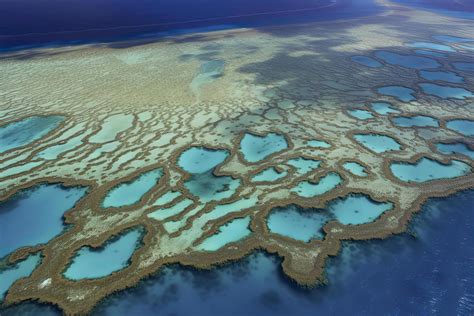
(435, 46)
(402, 93)
(427, 170)
(256, 148)
(447, 76)
(464, 66)
(269, 174)
(129, 193)
(407, 61)
(465, 127)
(208, 187)
(298, 223)
(430, 53)
(361, 114)
(357, 209)
(304, 165)
(325, 184)
(114, 255)
(366, 61)
(318, 144)
(355, 168)
(455, 148)
(175, 209)
(418, 121)
(232, 231)
(383, 108)
(446, 92)
(17, 271)
(26, 131)
(377, 143)
(201, 159)
(41, 210)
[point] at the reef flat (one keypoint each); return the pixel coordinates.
(188, 145)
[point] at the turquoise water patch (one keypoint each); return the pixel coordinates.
(207, 187)
(232, 231)
(356, 209)
(298, 223)
(114, 255)
(383, 108)
(465, 127)
(22, 269)
(355, 168)
(35, 216)
(407, 61)
(208, 72)
(417, 121)
(256, 148)
(445, 91)
(305, 224)
(304, 165)
(360, 114)
(129, 193)
(26, 131)
(447, 76)
(366, 61)
(399, 92)
(430, 53)
(377, 143)
(426, 170)
(175, 209)
(318, 143)
(201, 159)
(166, 198)
(269, 174)
(452, 39)
(224, 209)
(441, 47)
(455, 148)
(53, 152)
(325, 184)
(464, 66)
(467, 46)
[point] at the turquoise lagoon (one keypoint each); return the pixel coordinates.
(129, 193)
(318, 143)
(305, 224)
(377, 143)
(361, 114)
(383, 108)
(415, 121)
(447, 76)
(21, 269)
(269, 175)
(465, 127)
(26, 131)
(114, 255)
(201, 159)
(445, 92)
(402, 93)
(455, 148)
(232, 231)
(207, 187)
(355, 168)
(304, 165)
(407, 61)
(441, 47)
(256, 148)
(325, 184)
(427, 170)
(37, 213)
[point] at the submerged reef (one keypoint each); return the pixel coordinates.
(178, 151)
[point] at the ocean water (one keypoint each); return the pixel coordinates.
(427, 271)
(78, 21)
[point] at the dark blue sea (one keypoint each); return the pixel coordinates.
(47, 22)
(427, 271)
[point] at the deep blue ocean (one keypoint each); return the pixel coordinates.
(45, 22)
(427, 271)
